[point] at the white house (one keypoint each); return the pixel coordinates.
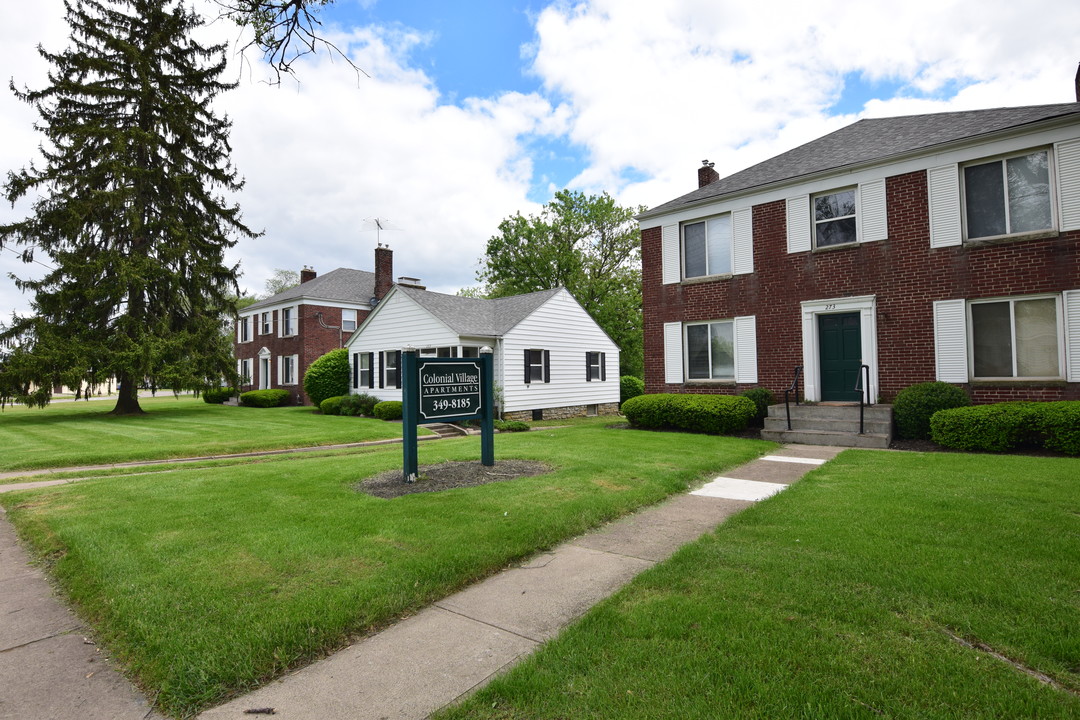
(551, 359)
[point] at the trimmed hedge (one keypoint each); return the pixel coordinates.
(388, 410)
(265, 398)
(762, 399)
(714, 414)
(511, 426)
(916, 404)
(1007, 426)
(332, 405)
(328, 376)
(216, 396)
(630, 387)
(361, 404)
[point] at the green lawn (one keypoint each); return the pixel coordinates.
(83, 433)
(208, 581)
(846, 596)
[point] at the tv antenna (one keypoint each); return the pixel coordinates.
(378, 225)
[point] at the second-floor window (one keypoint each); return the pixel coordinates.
(348, 320)
(834, 218)
(1008, 196)
(707, 247)
(267, 324)
(288, 322)
(244, 333)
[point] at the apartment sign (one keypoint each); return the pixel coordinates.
(449, 389)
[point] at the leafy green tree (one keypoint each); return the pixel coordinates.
(128, 209)
(585, 243)
(281, 280)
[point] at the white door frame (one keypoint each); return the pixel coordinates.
(866, 306)
(264, 365)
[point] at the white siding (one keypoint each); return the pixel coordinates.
(396, 323)
(673, 363)
(798, 224)
(873, 213)
(950, 340)
(944, 188)
(1068, 185)
(669, 248)
(746, 349)
(1071, 304)
(563, 328)
(742, 222)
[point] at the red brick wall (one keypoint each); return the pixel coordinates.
(311, 342)
(904, 273)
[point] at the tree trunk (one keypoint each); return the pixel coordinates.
(127, 402)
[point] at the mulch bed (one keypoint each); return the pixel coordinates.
(449, 475)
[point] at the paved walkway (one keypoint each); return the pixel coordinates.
(410, 669)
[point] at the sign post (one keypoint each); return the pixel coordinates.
(446, 390)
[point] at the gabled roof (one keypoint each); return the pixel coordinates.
(869, 141)
(341, 285)
(478, 316)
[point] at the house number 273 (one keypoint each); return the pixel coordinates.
(830, 306)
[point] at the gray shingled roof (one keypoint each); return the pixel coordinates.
(341, 285)
(479, 316)
(868, 141)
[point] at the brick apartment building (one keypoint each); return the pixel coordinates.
(278, 338)
(930, 247)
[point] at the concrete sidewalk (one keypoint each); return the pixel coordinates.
(410, 669)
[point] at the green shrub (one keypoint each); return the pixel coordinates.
(630, 387)
(264, 398)
(388, 410)
(915, 404)
(216, 396)
(715, 414)
(328, 376)
(362, 404)
(511, 425)
(1007, 426)
(1058, 425)
(332, 405)
(762, 399)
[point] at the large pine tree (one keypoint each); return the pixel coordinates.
(128, 209)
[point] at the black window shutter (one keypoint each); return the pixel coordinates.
(547, 366)
(397, 362)
(588, 367)
(371, 370)
(528, 367)
(356, 371)
(382, 368)
(603, 367)
(453, 351)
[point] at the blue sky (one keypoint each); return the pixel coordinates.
(475, 111)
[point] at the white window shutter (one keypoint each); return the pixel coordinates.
(673, 369)
(950, 341)
(944, 192)
(746, 349)
(798, 224)
(742, 223)
(1071, 303)
(873, 215)
(669, 251)
(1068, 183)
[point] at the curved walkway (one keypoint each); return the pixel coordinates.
(409, 670)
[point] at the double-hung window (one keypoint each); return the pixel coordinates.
(267, 324)
(537, 366)
(710, 351)
(391, 361)
(244, 370)
(288, 322)
(595, 370)
(834, 218)
(1008, 196)
(348, 320)
(288, 369)
(1015, 338)
(244, 329)
(707, 247)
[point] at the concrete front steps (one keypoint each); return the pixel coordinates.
(835, 424)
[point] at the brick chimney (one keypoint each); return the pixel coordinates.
(384, 270)
(307, 274)
(706, 175)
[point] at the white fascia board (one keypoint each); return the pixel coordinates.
(959, 152)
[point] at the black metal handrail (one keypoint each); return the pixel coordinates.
(864, 393)
(793, 388)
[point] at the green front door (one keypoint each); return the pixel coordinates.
(840, 343)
